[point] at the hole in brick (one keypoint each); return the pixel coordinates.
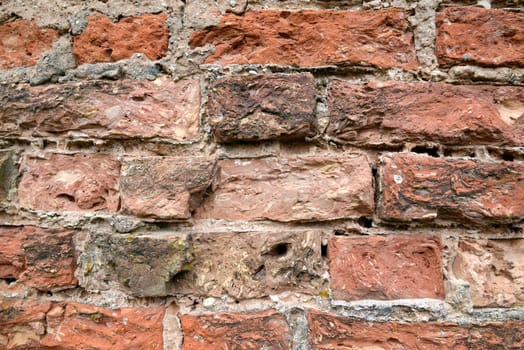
(339, 232)
(508, 157)
(66, 197)
(324, 250)
(432, 151)
(180, 276)
(49, 293)
(259, 273)
(365, 222)
(280, 249)
(9, 280)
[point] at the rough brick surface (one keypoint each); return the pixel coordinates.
(266, 107)
(394, 113)
(81, 182)
(312, 38)
(493, 269)
(327, 331)
(293, 189)
(480, 36)
(421, 187)
(392, 267)
(257, 330)
(102, 109)
(105, 41)
(165, 187)
(22, 43)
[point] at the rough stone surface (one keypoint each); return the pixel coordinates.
(22, 43)
(165, 187)
(251, 265)
(391, 267)
(105, 41)
(292, 189)
(421, 187)
(488, 37)
(253, 108)
(256, 330)
(139, 265)
(328, 331)
(103, 109)
(80, 182)
(75, 326)
(493, 269)
(394, 113)
(43, 259)
(8, 175)
(312, 38)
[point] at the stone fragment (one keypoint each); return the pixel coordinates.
(254, 330)
(8, 175)
(254, 264)
(266, 107)
(34, 257)
(419, 187)
(394, 113)
(291, 189)
(103, 109)
(390, 267)
(473, 35)
(165, 187)
(139, 265)
(80, 182)
(105, 41)
(311, 38)
(328, 331)
(494, 270)
(22, 43)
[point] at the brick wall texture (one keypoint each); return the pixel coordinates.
(261, 174)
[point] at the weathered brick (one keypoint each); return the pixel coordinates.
(165, 187)
(103, 109)
(291, 189)
(255, 330)
(494, 270)
(391, 267)
(474, 35)
(394, 113)
(22, 43)
(312, 38)
(8, 175)
(43, 259)
(105, 41)
(328, 331)
(263, 107)
(139, 265)
(80, 182)
(421, 187)
(254, 264)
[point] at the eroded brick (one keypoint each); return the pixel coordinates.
(474, 35)
(395, 113)
(312, 38)
(22, 43)
(291, 189)
(252, 108)
(102, 109)
(255, 330)
(105, 41)
(421, 187)
(80, 182)
(390, 267)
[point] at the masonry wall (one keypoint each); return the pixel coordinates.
(261, 174)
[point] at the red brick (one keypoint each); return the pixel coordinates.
(473, 35)
(43, 259)
(494, 270)
(262, 107)
(394, 113)
(327, 331)
(22, 43)
(81, 182)
(391, 267)
(256, 330)
(106, 41)
(421, 187)
(291, 189)
(312, 38)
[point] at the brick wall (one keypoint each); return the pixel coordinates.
(271, 174)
